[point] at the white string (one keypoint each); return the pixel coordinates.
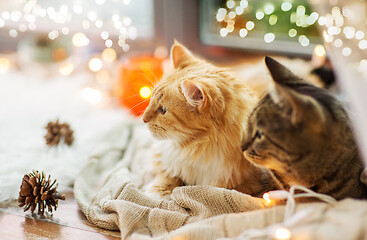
(291, 202)
(290, 217)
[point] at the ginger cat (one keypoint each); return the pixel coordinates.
(199, 112)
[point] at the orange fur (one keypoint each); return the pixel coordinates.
(199, 110)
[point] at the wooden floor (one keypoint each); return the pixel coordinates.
(68, 222)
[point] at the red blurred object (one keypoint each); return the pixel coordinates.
(137, 79)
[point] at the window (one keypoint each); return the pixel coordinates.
(278, 26)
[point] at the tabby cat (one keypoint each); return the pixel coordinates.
(199, 112)
(302, 133)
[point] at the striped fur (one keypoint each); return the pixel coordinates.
(302, 133)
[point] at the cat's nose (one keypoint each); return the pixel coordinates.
(244, 146)
(146, 118)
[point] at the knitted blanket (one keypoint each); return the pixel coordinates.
(108, 193)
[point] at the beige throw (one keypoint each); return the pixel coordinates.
(108, 193)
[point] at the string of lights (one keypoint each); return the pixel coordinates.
(71, 18)
(243, 17)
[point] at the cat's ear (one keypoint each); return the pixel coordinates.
(194, 94)
(181, 56)
(279, 72)
(301, 108)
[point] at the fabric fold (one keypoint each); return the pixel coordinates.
(108, 191)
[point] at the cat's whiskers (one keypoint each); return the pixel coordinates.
(153, 83)
(139, 104)
(135, 95)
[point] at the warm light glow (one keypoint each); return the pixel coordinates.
(244, 3)
(303, 40)
(269, 37)
(273, 19)
(13, 33)
(92, 16)
(338, 43)
(301, 10)
(333, 30)
(239, 10)
(230, 4)
(322, 21)
(145, 92)
(93, 96)
(260, 15)
(53, 35)
(221, 14)
(22, 28)
(66, 68)
(6, 15)
(312, 18)
(243, 32)
(250, 25)
(282, 234)
(349, 32)
(269, 8)
(362, 44)
(293, 17)
(359, 35)
(319, 51)
(108, 43)
(223, 32)
(4, 65)
(292, 32)
(347, 12)
(267, 197)
(230, 28)
(65, 30)
(105, 35)
(95, 64)
(326, 36)
(80, 40)
(109, 55)
(125, 47)
(232, 14)
(127, 21)
(286, 6)
(346, 51)
(63, 16)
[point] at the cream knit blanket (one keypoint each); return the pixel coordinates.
(108, 193)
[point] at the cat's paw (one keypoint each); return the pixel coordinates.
(157, 196)
(163, 190)
(158, 193)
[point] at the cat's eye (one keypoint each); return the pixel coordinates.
(162, 110)
(258, 134)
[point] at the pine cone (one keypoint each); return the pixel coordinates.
(35, 189)
(56, 131)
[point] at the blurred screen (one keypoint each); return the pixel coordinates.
(280, 26)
